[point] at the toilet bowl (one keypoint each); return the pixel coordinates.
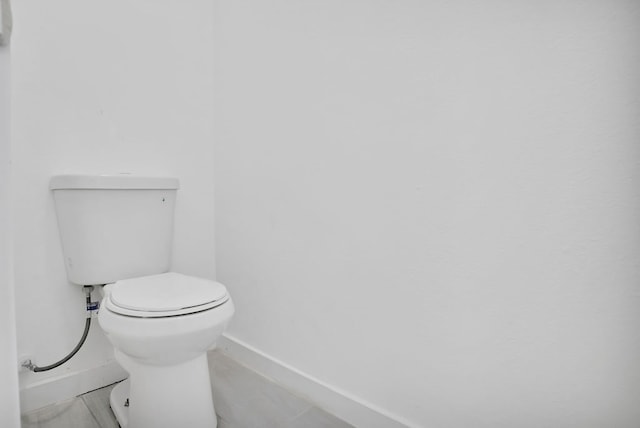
(161, 327)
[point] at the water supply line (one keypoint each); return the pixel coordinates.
(91, 306)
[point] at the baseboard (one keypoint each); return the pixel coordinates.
(342, 404)
(69, 385)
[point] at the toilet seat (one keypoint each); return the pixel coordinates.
(165, 295)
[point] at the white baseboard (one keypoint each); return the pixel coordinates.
(342, 404)
(69, 385)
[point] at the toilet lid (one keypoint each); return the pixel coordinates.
(167, 294)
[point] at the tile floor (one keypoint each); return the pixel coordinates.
(243, 399)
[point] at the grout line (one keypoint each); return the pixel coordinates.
(302, 411)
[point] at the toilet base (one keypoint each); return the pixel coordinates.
(119, 404)
(166, 396)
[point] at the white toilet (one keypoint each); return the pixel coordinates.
(117, 231)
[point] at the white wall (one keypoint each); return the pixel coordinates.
(105, 87)
(9, 405)
(434, 206)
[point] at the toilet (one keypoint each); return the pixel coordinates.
(116, 232)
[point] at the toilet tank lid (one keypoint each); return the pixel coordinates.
(116, 181)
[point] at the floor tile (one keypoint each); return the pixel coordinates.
(245, 399)
(98, 404)
(222, 423)
(317, 418)
(72, 413)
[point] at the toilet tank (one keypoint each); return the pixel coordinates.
(114, 227)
